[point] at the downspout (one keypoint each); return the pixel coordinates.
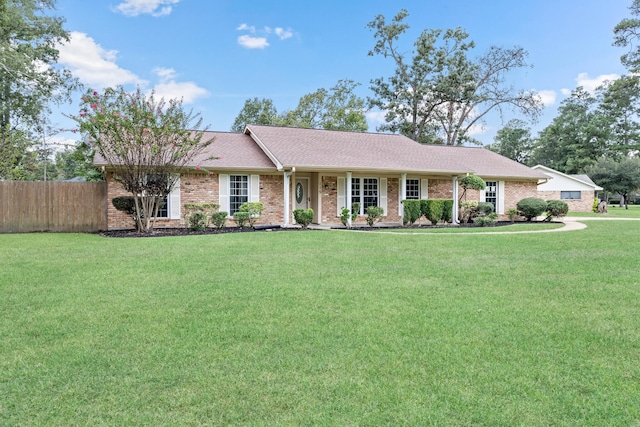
(349, 204)
(287, 184)
(403, 193)
(454, 214)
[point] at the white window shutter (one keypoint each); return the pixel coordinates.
(223, 192)
(383, 195)
(424, 188)
(500, 207)
(341, 195)
(255, 188)
(174, 200)
(483, 195)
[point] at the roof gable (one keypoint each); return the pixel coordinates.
(561, 181)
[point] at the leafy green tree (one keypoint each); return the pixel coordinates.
(438, 94)
(77, 162)
(618, 177)
(576, 138)
(145, 142)
(620, 107)
(29, 78)
(626, 34)
(255, 111)
(514, 141)
(335, 109)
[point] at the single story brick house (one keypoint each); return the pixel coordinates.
(292, 168)
(577, 190)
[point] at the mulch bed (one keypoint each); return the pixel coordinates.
(161, 232)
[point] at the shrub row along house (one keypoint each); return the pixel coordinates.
(294, 168)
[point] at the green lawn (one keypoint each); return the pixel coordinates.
(322, 328)
(514, 228)
(613, 211)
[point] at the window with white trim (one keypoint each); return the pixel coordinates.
(570, 195)
(413, 188)
(491, 194)
(238, 192)
(364, 191)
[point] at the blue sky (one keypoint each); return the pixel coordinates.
(216, 54)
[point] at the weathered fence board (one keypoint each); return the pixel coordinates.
(52, 206)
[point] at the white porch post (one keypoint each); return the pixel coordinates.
(403, 194)
(287, 207)
(454, 214)
(349, 204)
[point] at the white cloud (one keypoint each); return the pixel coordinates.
(253, 42)
(169, 88)
(246, 27)
(547, 97)
(151, 7)
(283, 34)
(590, 84)
(93, 65)
(565, 91)
(259, 40)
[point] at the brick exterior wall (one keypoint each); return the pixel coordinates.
(203, 187)
(585, 204)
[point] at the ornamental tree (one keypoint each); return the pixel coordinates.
(147, 143)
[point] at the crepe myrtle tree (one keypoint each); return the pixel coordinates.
(146, 142)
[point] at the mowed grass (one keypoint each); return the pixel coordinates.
(322, 328)
(613, 211)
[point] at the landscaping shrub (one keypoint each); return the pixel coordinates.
(434, 210)
(447, 211)
(531, 207)
(485, 208)
(486, 220)
(374, 214)
(412, 211)
(345, 213)
(254, 209)
(512, 214)
(197, 221)
(468, 210)
(303, 217)
(219, 219)
(127, 205)
(242, 218)
(473, 182)
(556, 208)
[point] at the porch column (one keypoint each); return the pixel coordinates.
(454, 194)
(287, 207)
(349, 203)
(403, 194)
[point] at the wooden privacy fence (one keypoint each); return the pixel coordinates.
(52, 206)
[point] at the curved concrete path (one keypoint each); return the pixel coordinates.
(570, 224)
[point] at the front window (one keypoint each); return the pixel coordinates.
(413, 189)
(570, 195)
(491, 193)
(365, 192)
(163, 211)
(238, 192)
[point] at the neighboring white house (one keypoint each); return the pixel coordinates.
(577, 190)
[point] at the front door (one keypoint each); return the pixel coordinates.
(302, 193)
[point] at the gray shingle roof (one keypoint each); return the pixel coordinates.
(316, 149)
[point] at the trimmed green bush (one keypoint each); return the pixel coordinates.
(556, 208)
(124, 204)
(447, 211)
(254, 209)
(374, 214)
(219, 219)
(531, 207)
(468, 210)
(198, 221)
(434, 210)
(486, 220)
(485, 208)
(303, 217)
(345, 213)
(512, 214)
(412, 211)
(242, 218)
